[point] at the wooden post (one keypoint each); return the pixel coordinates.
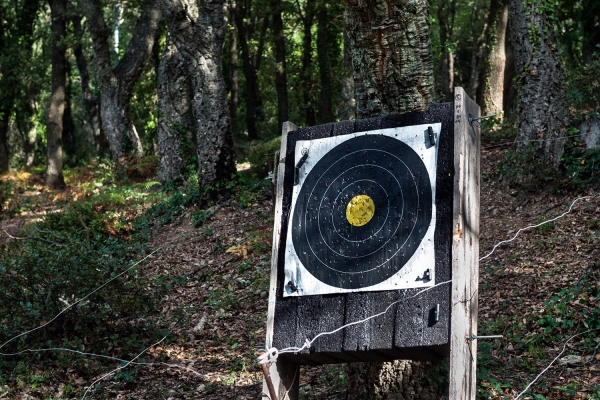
(465, 248)
(284, 374)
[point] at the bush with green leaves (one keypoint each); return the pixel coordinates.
(260, 154)
(583, 87)
(582, 166)
(56, 263)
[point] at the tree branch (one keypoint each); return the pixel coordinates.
(32, 238)
(139, 49)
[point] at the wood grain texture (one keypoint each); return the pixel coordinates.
(282, 372)
(465, 248)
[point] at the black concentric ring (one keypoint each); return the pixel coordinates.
(393, 175)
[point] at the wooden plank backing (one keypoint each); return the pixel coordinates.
(465, 248)
(390, 336)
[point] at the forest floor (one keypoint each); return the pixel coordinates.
(537, 291)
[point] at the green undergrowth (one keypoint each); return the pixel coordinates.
(261, 154)
(92, 239)
(47, 276)
(574, 310)
(578, 168)
(71, 277)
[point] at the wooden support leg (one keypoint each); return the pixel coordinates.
(285, 377)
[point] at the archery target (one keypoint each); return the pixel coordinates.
(362, 213)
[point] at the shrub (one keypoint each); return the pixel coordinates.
(59, 261)
(260, 154)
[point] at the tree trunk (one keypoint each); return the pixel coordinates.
(510, 73)
(209, 103)
(90, 101)
(13, 37)
(233, 66)
(252, 91)
(348, 102)
(4, 155)
(591, 28)
(175, 125)
(117, 15)
(446, 13)
(306, 67)
(325, 94)
(478, 50)
(281, 70)
(542, 109)
(393, 73)
(391, 54)
(25, 119)
(54, 130)
(31, 134)
(116, 84)
(494, 90)
(68, 134)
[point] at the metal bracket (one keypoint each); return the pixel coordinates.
(431, 134)
(426, 276)
(299, 164)
(292, 287)
(475, 337)
(473, 119)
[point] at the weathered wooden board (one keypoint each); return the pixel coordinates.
(284, 374)
(465, 248)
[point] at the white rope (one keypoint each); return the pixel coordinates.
(77, 302)
(272, 353)
(552, 362)
(109, 358)
(537, 225)
(121, 367)
(309, 343)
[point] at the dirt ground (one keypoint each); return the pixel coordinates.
(223, 304)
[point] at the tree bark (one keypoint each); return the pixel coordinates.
(29, 132)
(116, 84)
(4, 155)
(542, 109)
(494, 91)
(325, 113)
(90, 101)
(446, 13)
(281, 69)
(393, 73)
(176, 142)
(478, 50)
(206, 24)
(250, 73)
(14, 37)
(347, 108)
(25, 119)
(391, 54)
(510, 73)
(307, 83)
(68, 134)
(233, 66)
(54, 129)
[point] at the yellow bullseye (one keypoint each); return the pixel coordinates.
(360, 210)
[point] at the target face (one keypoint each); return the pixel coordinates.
(363, 213)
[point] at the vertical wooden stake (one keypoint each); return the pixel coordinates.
(269, 382)
(283, 373)
(465, 249)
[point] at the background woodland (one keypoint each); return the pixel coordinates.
(136, 218)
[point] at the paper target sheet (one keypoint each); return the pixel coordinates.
(363, 212)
